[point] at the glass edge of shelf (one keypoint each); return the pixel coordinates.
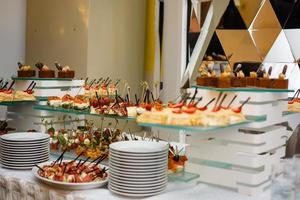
(62, 110)
(244, 89)
(12, 103)
(183, 176)
(249, 118)
(39, 79)
(285, 113)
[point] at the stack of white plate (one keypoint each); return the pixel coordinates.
(138, 168)
(24, 150)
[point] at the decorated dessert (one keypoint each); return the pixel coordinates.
(25, 70)
(81, 103)
(281, 82)
(239, 79)
(224, 81)
(251, 81)
(207, 74)
(45, 71)
(64, 72)
(265, 81)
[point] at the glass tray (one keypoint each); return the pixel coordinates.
(77, 112)
(250, 119)
(243, 89)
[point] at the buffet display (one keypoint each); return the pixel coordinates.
(236, 78)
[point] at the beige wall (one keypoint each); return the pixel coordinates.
(116, 40)
(57, 30)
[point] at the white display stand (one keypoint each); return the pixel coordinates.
(24, 117)
(241, 158)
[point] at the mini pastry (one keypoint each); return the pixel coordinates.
(44, 71)
(80, 103)
(224, 81)
(64, 72)
(25, 70)
(265, 81)
(54, 101)
(281, 82)
(204, 75)
(67, 101)
(252, 80)
(26, 95)
(239, 80)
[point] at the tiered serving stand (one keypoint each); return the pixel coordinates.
(243, 156)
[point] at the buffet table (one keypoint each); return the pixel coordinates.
(21, 185)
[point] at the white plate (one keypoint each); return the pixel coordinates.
(18, 168)
(70, 186)
(138, 147)
(135, 181)
(145, 167)
(140, 163)
(137, 158)
(138, 170)
(25, 142)
(24, 161)
(42, 144)
(144, 194)
(138, 178)
(25, 137)
(138, 174)
(24, 147)
(128, 187)
(23, 155)
(138, 155)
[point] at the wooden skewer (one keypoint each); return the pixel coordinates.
(39, 167)
(233, 99)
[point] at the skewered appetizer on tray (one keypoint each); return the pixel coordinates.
(26, 95)
(103, 88)
(25, 70)
(176, 161)
(294, 103)
(74, 171)
(6, 94)
(89, 142)
(190, 114)
(45, 71)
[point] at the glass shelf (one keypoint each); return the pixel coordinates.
(202, 129)
(289, 113)
(39, 79)
(77, 112)
(14, 103)
(182, 176)
(243, 89)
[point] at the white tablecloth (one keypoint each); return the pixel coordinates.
(21, 185)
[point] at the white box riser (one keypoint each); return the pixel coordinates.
(265, 109)
(235, 136)
(22, 85)
(58, 92)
